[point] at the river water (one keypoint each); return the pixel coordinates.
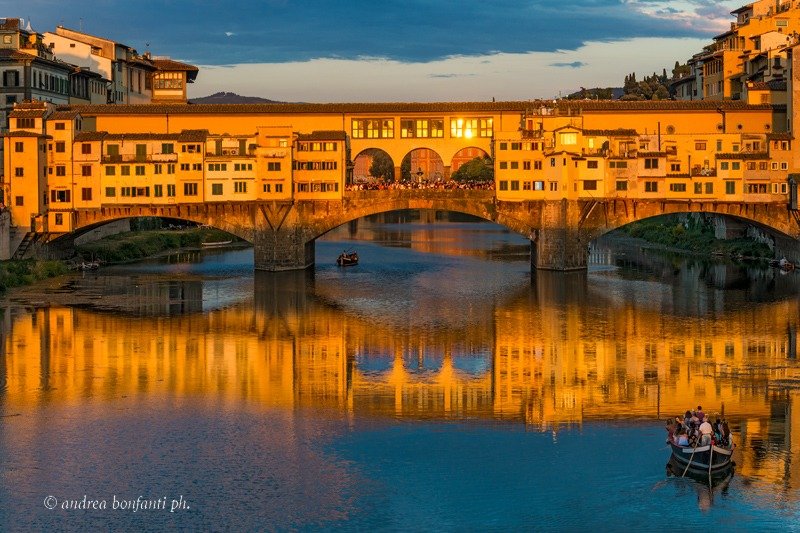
(437, 385)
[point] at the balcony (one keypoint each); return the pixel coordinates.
(133, 158)
(706, 172)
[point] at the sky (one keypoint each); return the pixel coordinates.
(389, 51)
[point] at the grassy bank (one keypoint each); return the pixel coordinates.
(136, 245)
(27, 271)
(694, 236)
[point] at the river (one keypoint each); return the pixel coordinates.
(439, 384)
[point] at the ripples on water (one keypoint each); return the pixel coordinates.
(436, 385)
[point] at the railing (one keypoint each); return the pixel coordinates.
(704, 171)
(133, 158)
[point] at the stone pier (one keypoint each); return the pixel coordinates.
(285, 249)
(559, 244)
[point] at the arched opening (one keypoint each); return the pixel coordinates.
(472, 165)
(373, 165)
(422, 165)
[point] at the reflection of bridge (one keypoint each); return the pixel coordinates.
(284, 232)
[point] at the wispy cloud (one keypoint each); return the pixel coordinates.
(574, 64)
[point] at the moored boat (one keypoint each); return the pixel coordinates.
(347, 259)
(215, 244)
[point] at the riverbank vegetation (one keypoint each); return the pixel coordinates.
(143, 243)
(16, 273)
(694, 235)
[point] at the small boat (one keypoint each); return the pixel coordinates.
(347, 259)
(89, 265)
(709, 459)
(215, 244)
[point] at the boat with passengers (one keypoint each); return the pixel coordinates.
(700, 445)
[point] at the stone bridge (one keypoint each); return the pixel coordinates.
(283, 233)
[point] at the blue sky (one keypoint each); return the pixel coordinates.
(357, 50)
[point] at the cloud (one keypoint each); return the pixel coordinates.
(411, 31)
(574, 64)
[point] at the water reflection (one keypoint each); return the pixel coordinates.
(641, 336)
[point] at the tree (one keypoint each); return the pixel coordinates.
(405, 168)
(382, 165)
(479, 169)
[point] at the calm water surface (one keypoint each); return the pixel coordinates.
(438, 385)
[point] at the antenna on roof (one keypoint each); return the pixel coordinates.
(80, 24)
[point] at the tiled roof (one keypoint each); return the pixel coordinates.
(9, 24)
(621, 132)
(24, 134)
(772, 85)
(743, 155)
(170, 64)
(27, 113)
(183, 136)
(563, 106)
(780, 136)
(13, 55)
(63, 115)
(652, 154)
(322, 136)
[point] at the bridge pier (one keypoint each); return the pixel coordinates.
(275, 251)
(558, 244)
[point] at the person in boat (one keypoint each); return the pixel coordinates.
(687, 419)
(700, 414)
(681, 439)
(706, 432)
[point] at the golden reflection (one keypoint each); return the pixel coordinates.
(544, 357)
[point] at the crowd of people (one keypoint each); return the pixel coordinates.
(442, 185)
(697, 429)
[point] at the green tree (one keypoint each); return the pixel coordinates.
(405, 168)
(382, 165)
(479, 169)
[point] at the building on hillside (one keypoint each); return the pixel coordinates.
(170, 80)
(28, 69)
(130, 75)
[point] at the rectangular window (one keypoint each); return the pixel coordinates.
(526, 165)
(538, 185)
(591, 164)
(240, 186)
(622, 185)
(730, 187)
(60, 125)
(216, 189)
(515, 165)
(19, 201)
(700, 145)
(60, 146)
(784, 165)
(157, 169)
(111, 192)
(158, 190)
(590, 185)
(61, 170)
(61, 196)
(59, 219)
(503, 185)
(516, 146)
(724, 165)
(86, 194)
(675, 167)
(735, 165)
(139, 170)
(504, 146)
(650, 186)
(170, 190)
(698, 188)
(86, 148)
(171, 169)
(167, 148)
(19, 172)
(677, 187)
(267, 187)
(273, 166)
(125, 170)
(553, 186)
(279, 187)
(709, 188)
(568, 138)
(751, 165)
(111, 171)
(514, 185)
(651, 163)
(19, 146)
(503, 165)
(190, 189)
(537, 165)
